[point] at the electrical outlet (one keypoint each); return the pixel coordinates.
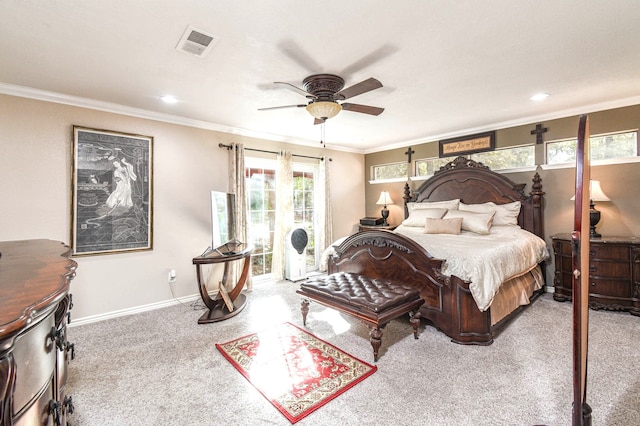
(172, 275)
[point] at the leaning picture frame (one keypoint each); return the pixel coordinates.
(112, 192)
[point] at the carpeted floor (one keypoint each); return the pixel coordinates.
(162, 368)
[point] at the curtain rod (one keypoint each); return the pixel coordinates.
(228, 147)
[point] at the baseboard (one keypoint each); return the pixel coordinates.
(134, 310)
(263, 279)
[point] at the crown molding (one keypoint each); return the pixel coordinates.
(60, 98)
(55, 97)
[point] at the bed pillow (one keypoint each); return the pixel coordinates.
(479, 223)
(443, 226)
(449, 204)
(505, 214)
(417, 217)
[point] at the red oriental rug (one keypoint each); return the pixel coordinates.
(293, 369)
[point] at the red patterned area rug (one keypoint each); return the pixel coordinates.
(293, 369)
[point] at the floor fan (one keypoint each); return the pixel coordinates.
(296, 254)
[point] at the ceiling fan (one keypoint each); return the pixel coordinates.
(325, 90)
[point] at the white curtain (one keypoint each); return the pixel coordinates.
(323, 211)
(237, 183)
(284, 213)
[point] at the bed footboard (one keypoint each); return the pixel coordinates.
(449, 305)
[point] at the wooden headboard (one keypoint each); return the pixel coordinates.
(473, 183)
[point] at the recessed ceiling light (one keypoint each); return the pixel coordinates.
(168, 99)
(539, 97)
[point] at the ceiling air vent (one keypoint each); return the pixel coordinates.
(196, 42)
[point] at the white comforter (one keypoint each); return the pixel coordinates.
(486, 261)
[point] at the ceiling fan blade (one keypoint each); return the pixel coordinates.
(296, 89)
(283, 106)
(295, 52)
(365, 109)
(369, 59)
(358, 89)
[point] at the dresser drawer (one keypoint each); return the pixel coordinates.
(38, 413)
(618, 289)
(608, 251)
(35, 357)
(609, 269)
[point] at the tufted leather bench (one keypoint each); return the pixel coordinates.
(373, 300)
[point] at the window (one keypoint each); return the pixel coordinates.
(261, 215)
(507, 158)
(303, 203)
(390, 171)
(428, 166)
(602, 147)
(260, 178)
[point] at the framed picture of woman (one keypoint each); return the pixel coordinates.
(112, 192)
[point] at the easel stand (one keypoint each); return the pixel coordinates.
(222, 308)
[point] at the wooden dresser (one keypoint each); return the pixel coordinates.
(34, 351)
(614, 272)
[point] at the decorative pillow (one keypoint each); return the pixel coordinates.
(480, 223)
(443, 226)
(449, 204)
(505, 214)
(417, 217)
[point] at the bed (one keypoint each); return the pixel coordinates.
(457, 301)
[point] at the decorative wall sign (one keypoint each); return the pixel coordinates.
(112, 192)
(468, 144)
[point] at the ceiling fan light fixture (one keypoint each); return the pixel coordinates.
(324, 110)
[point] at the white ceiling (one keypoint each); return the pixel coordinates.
(449, 68)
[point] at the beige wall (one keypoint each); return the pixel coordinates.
(35, 176)
(621, 182)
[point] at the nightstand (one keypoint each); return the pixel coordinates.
(614, 272)
(376, 227)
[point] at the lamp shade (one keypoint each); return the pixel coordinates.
(323, 110)
(384, 199)
(595, 192)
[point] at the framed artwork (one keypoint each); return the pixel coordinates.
(468, 144)
(112, 192)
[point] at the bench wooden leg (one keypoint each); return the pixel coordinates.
(305, 311)
(376, 341)
(414, 319)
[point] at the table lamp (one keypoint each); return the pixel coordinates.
(596, 194)
(384, 199)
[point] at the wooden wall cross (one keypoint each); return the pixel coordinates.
(408, 153)
(539, 131)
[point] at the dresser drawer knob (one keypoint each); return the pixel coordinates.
(55, 410)
(71, 350)
(593, 268)
(593, 284)
(56, 337)
(68, 403)
(592, 252)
